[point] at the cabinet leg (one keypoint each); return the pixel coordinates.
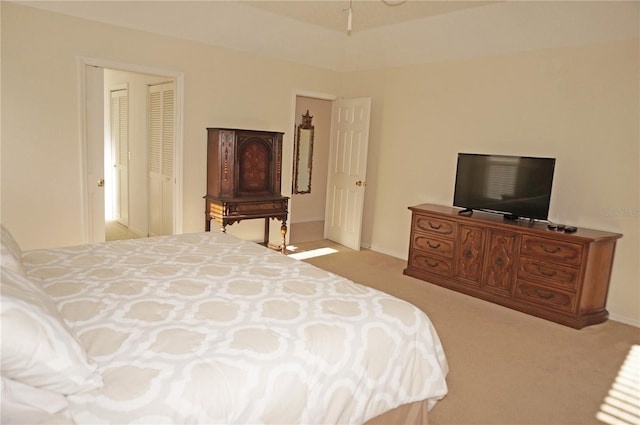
(222, 224)
(283, 231)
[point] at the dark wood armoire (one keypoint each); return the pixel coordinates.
(244, 177)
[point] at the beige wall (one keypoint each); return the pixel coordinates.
(41, 147)
(577, 104)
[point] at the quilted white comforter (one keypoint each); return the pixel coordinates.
(207, 328)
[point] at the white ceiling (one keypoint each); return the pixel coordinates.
(386, 33)
(332, 14)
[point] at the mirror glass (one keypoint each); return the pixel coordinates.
(303, 156)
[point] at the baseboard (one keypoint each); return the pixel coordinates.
(402, 256)
(307, 220)
(626, 320)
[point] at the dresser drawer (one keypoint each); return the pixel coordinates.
(550, 249)
(554, 274)
(430, 264)
(545, 296)
(256, 207)
(246, 208)
(427, 243)
(442, 227)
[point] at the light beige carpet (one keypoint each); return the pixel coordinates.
(115, 231)
(506, 367)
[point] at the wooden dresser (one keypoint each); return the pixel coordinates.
(563, 277)
(244, 175)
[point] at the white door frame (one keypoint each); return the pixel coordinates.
(82, 62)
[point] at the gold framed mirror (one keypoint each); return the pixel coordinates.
(303, 156)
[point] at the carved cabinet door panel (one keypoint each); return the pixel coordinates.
(254, 167)
(500, 268)
(469, 251)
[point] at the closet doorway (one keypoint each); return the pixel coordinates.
(139, 158)
(133, 151)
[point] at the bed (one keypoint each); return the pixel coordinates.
(206, 328)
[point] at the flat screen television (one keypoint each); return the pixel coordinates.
(515, 186)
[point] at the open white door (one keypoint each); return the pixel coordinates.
(120, 154)
(94, 127)
(347, 171)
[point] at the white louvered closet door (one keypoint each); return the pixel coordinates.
(120, 154)
(161, 158)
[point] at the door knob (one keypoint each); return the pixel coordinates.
(361, 183)
(101, 183)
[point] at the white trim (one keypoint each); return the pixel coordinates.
(83, 61)
(626, 320)
(314, 95)
(401, 256)
(82, 137)
(308, 220)
(178, 156)
(118, 86)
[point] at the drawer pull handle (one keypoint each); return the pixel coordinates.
(436, 246)
(550, 251)
(468, 254)
(548, 274)
(546, 296)
(430, 264)
(436, 227)
(499, 261)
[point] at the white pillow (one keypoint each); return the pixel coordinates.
(10, 252)
(38, 349)
(24, 404)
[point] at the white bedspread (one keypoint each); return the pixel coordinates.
(207, 328)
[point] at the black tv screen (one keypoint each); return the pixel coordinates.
(516, 186)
